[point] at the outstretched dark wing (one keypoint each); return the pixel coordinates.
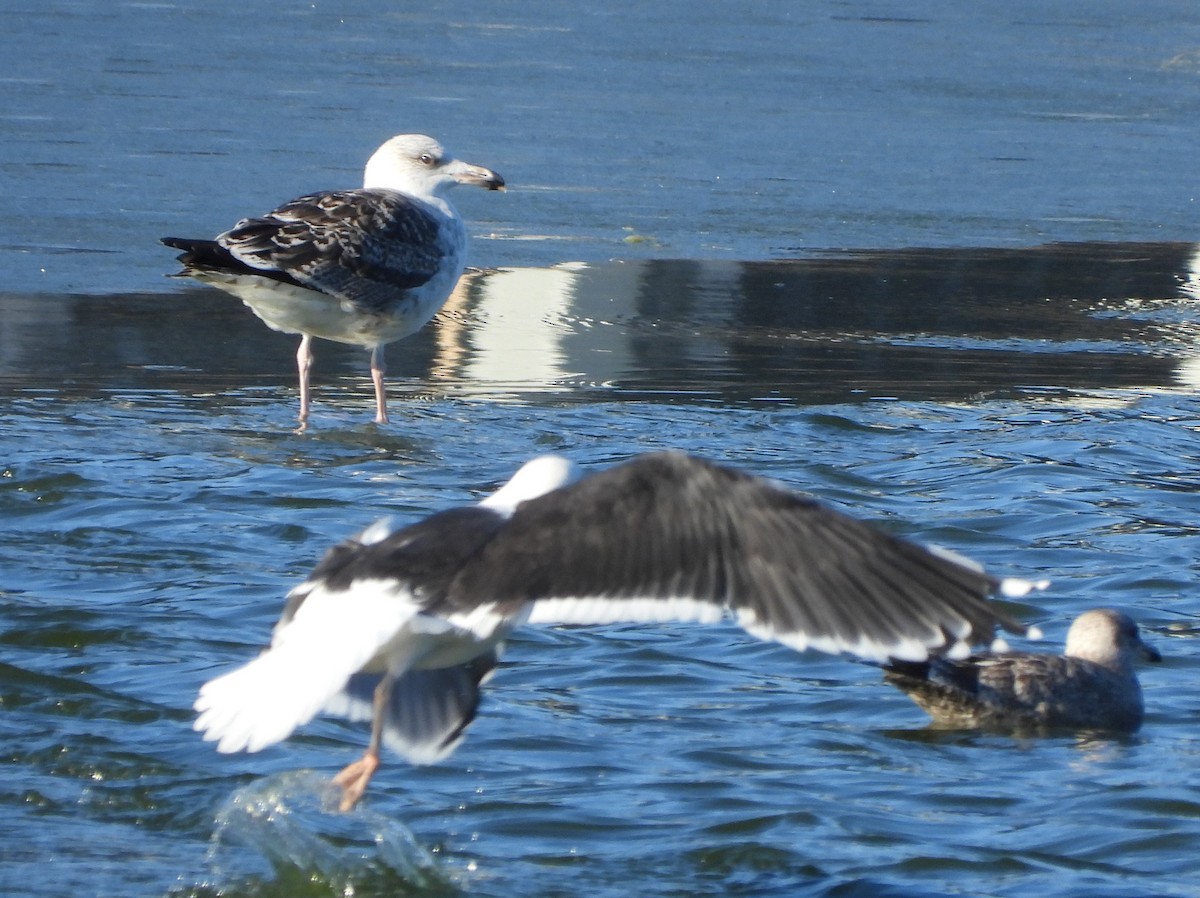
(667, 536)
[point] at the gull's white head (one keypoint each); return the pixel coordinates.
(535, 478)
(419, 165)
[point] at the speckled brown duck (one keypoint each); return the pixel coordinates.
(1092, 686)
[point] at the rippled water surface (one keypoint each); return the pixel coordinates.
(669, 269)
(158, 512)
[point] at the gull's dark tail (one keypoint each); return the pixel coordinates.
(201, 257)
(427, 712)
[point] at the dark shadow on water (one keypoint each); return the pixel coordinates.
(940, 324)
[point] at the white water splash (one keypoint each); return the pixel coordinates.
(292, 823)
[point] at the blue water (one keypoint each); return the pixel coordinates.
(703, 247)
(745, 131)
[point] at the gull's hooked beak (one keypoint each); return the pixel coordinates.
(476, 175)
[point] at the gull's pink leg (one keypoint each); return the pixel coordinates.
(378, 370)
(355, 777)
(304, 360)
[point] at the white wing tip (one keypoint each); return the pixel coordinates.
(378, 532)
(1009, 587)
(956, 651)
(1017, 588)
(536, 477)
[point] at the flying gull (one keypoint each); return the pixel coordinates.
(1092, 686)
(401, 625)
(366, 267)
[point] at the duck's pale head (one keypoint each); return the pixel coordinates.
(1109, 638)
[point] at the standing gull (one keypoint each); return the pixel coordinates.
(366, 267)
(1092, 686)
(400, 625)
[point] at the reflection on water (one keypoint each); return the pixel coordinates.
(930, 323)
(940, 324)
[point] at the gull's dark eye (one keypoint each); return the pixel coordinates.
(427, 160)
